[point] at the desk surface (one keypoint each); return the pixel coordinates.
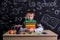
(49, 33)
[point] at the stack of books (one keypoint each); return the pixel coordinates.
(30, 24)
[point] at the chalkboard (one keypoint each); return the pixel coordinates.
(46, 11)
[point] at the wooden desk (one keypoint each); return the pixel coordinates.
(49, 36)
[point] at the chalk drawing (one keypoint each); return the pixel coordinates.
(57, 12)
(50, 21)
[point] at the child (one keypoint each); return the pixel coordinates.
(29, 18)
(30, 23)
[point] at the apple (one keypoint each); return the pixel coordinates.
(11, 32)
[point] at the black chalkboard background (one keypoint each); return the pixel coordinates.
(47, 12)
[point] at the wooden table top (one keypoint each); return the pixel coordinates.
(49, 33)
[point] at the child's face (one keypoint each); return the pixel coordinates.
(30, 16)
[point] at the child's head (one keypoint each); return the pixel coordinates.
(30, 15)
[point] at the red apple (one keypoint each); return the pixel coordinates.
(11, 31)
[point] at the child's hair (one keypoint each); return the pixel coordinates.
(31, 12)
